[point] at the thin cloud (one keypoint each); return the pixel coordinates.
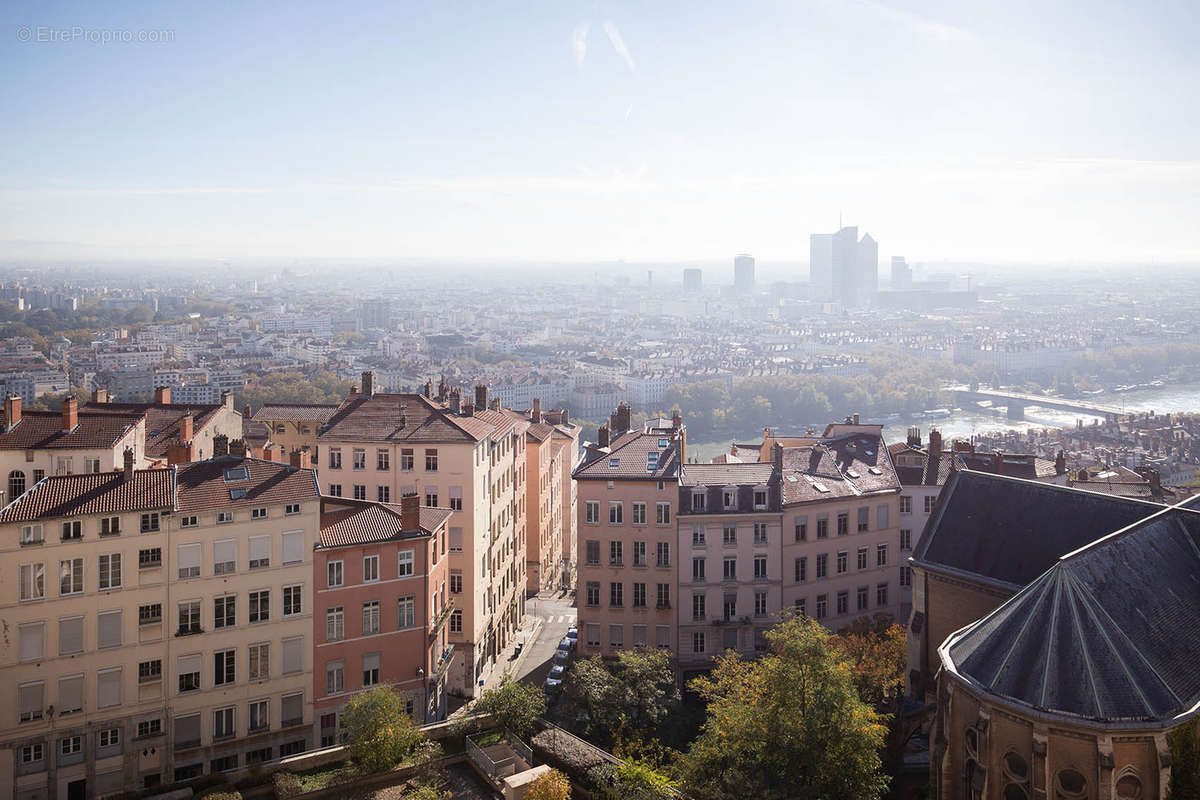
(913, 22)
(618, 44)
(579, 43)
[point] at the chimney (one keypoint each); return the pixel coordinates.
(220, 445)
(733, 448)
(353, 389)
(1060, 463)
(602, 436)
(12, 410)
(429, 387)
(777, 457)
(246, 411)
(128, 464)
(410, 512)
(562, 417)
(186, 428)
(935, 440)
(625, 416)
(676, 421)
(100, 396)
(162, 394)
(442, 389)
(301, 459)
(683, 446)
(914, 436)
(368, 383)
(536, 414)
(468, 409)
(614, 423)
(494, 404)
(455, 401)
(403, 415)
(481, 396)
(268, 453)
(70, 414)
(1082, 475)
(237, 447)
(998, 462)
(227, 400)
(179, 452)
(856, 419)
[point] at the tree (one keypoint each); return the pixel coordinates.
(875, 649)
(787, 725)
(513, 705)
(552, 785)
(1185, 762)
(632, 695)
(379, 732)
(591, 688)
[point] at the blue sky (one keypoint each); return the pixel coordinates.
(1016, 132)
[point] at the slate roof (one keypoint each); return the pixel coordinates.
(628, 453)
(1011, 530)
(1016, 465)
(201, 485)
(1108, 633)
(845, 466)
(377, 419)
(375, 522)
(935, 468)
(42, 430)
(85, 493)
(295, 412)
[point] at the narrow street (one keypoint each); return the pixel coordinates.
(557, 614)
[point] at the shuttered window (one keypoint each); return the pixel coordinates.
(70, 635)
(109, 629)
(293, 655)
(108, 689)
(293, 709)
(260, 552)
(187, 730)
(70, 694)
(293, 547)
(33, 641)
(30, 701)
(189, 560)
(224, 556)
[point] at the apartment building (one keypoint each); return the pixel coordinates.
(730, 540)
(465, 456)
(295, 426)
(168, 422)
(110, 684)
(383, 602)
(628, 488)
(550, 446)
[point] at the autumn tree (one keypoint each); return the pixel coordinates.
(787, 725)
(513, 705)
(552, 785)
(379, 732)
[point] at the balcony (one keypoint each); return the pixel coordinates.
(440, 620)
(443, 663)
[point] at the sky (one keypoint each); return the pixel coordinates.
(1020, 132)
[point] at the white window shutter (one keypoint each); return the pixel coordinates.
(70, 694)
(33, 641)
(109, 689)
(293, 655)
(109, 629)
(260, 548)
(70, 636)
(293, 547)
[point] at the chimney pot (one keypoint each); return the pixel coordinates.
(301, 459)
(935, 441)
(856, 419)
(70, 414)
(410, 512)
(481, 396)
(128, 464)
(602, 436)
(429, 387)
(100, 396)
(237, 447)
(220, 445)
(179, 452)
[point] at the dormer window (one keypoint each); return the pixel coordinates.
(698, 500)
(730, 498)
(760, 498)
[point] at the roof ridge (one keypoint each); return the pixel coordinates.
(1016, 639)
(1075, 601)
(1050, 638)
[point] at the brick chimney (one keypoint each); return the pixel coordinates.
(301, 459)
(12, 410)
(162, 394)
(455, 401)
(1060, 463)
(354, 390)
(481, 398)
(410, 512)
(100, 396)
(494, 404)
(602, 436)
(70, 414)
(187, 428)
(429, 387)
(914, 436)
(403, 415)
(677, 421)
(683, 445)
(998, 462)
(246, 411)
(128, 464)
(468, 409)
(935, 441)
(368, 383)
(536, 414)
(237, 447)
(220, 445)
(625, 417)
(179, 452)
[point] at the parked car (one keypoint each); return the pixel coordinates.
(557, 672)
(573, 634)
(560, 658)
(565, 645)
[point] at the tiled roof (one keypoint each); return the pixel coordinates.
(92, 493)
(934, 470)
(42, 430)
(375, 522)
(1011, 530)
(295, 412)
(731, 474)
(501, 423)
(1016, 465)
(162, 420)
(377, 419)
(202, 485)
(1108, 633)
(845, 466)
(627, 458)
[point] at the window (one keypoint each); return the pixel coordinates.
(383, 460)
(293, 655)
(881, 594)
(260, 662)
(615, 555)
(150, 522)
(930, 502)
(70, 745)
(189, 522)
(729, 498)
(822, 605)
(760, 533)
(260, 552)
(31, 701)
(258, 756)
(905, 504)
(189, 673)
(697, 569)
(260, 606)
(822, 527)
(292, 713)
(592, 512)
(260, 716)
(70, 635)
(881, 554)
(406, 459)
(407, 612)
(258, 513)
(370, 569)
(334, 677)
(189, 617)
(881, 517)
(615, 512)
(843, 602)
(335, 624)
(292, 602)
(616, 635)
(906, 576)
(16, 484)
(698, 536)
(639, 595)
(698, 500)
(38, 476)
(431, 460)
(110, 526)
(662, 513)
(109, 631)
(729, 535)
(291, 508)
(31, 534)
(335, 490)
(33, 581)
(593, 552)
(456, 621)
(360, 491)
(760, 568)
(862, 593)
(405, 563)
(760, 498)
(360, 458)
(639, 513)
(639, 554)
(224, 517)
(384, 494)
(730, 569)
(822, 565)
(905, 539)
(593, 593)
(663, 554)
(150, 671)
(431, 496)
(841, 562)
(370, 669)
(223, 667)
(801, 566)
(223, 723)
(729, 607)
(149, 727)
(616, 596)
(456, 581)
(32, 644)
(70, 576)
(663, 595)
(335, 458)
(224, 556)
(370, 618)
(760, 604)
(843, 523)
(32, 753)
(333, 574)
(698, 641)
(802, 529)
(150, 614)
(149, 558)
(864, 519)
(189, 561)
(225, 611)
(698, 599)
(862, 557)
(72, 531)
(456, 498)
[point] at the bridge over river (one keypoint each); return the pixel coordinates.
(1016, 402)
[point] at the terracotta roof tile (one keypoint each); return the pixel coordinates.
(628, 458)
(377, 419)
(375, 522)
(42, 430)
(844, 466)
(295, 412)
(93, 493)
(202, 485)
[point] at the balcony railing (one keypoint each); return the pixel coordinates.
(441, 618)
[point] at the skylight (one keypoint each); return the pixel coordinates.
(875, 471)
(852, 473)
(238, 493)
(614, 463)
(820, 487)
(234, 474)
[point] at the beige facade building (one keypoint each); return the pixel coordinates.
(295, 426)
(113, 575)
(551, 445)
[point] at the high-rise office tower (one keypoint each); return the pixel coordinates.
(743, 274)
(692, 280)
(901, 274)
(843, 268)
(866, 270)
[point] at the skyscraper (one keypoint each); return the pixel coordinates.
(901, 274)
(692, 280)
(842, 268)
(743, 274)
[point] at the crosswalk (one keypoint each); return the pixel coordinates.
(561, 618)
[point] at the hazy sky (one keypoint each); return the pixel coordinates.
(1019, 131)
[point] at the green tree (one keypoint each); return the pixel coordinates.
(379, 733)
(553, 785)
(788, 725)
(629, 696)
(1185, 762)
(513, 705)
